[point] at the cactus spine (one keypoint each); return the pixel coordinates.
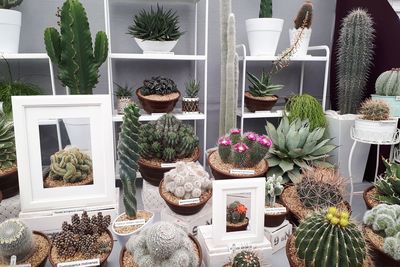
(129, 153)
(388, 83)
(7, 143)
(246, 259)
(355, 54)
(7, 4)
(375, 110)
(71, 49)
(265, 9)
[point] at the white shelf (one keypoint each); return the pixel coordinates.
(260, 114)
(155, 116)
(24, 55)
(307, 58)
(133, 56)
(157, 1)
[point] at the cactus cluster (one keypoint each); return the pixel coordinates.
(15, 239)
(167, 139)
(163, 244)
(329, 239)
(389, 184)
(246, 258)
(158, 86)
(70, 165)
(236, 212)
(7, 4)
(7, 143)
(374, 110)
(304, 17)
(391, 246)
(388, 83)
(273, 188)
(265, 9)
(187, 180)
(384, 219)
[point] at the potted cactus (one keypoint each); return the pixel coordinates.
(375, 124)
(240, 156)
(387, 89)
(190, 103)
(236, 219)
(124, 97)
(28, 247)
(245, 258)
(186, 188)
(156, 31)
(163, 143)
(302, 28)
(158, 95)
(10, 26)
(382, 231)
(162, 244)
(273, 188)
(132, 220)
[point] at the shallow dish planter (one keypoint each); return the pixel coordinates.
(263, 35)
(158, 103)
(275, 219)
(9, 182)
(263, 103)
(375, 131)
(10, 28)
(376, 245)
(236, 227)
(190, 105)
(369, 197)
(156, 47)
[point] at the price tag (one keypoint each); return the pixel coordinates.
(168, 165)
(84, 263)
(242, 172)
(129, 223)
(275, 210)
(189, 201)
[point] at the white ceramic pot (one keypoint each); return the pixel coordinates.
(303, 43)
(78, 130)
(10, 28)
(375, 131)
(156, 46)
(123, 238)
(122, 103)
(263, 35)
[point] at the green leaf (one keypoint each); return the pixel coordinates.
(324, 150)
(286, 165)
(273, 161)
(322, 164)
(272, 133)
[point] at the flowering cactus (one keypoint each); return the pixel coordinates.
(236, 212)
(224, 148)
(239, 154)
(235, 135)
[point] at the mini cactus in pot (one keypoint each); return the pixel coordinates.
(302, 28)
(245, 258)
(190, 103)
(236, 219)
(387, 88)
(273, 188)
(124, 97)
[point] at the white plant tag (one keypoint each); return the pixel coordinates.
(168, 165)
(129, 223)
(189, 201)
(274, 210)
(239, 246)
(84, 263)
(242, 172)
(397, 98)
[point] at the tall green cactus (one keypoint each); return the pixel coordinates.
(7, 4)
(265, 9)
(72, 49)
(129, 153)
(355, 55)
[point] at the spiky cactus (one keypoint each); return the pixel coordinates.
(15, 239)
(384, 219)
(374, 110)
(391, 246)
(273, 188)
(7, 4)
(389, 184)
(330, 240)
(388, 83)
(158, 86)
(246, 259)
(236, 212)
(71, 49)
(265, 9)
(304, 17)
(70, 165)
(224, 148)
(7, 143)
(354, 59)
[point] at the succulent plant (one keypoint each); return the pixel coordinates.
(236, 212)
(356, 31)
(391, 246)
(295, 148)
(70, 165)
(374, 110)
(330, 239)
(273, 188)
(123, 91)
(265, 9)
(388, 83)
(262, 86)
(388, 185)
(192, 89)
(304, 17)
(129, 153)
(8, 156)
(167, 139)
(246, 259)
(71, 49)
(384, 219)
(156, 25)
(7, 4)
(158, 86)
(15, 239)
(163, 244)
(320, 188)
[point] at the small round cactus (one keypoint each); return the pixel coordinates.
(374, 110)
(391, 246)
(246, 259)
(236, 212)
(384, 219)
(15, 239)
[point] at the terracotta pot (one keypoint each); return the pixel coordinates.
(102, 263)
(9, 184)
(189, 209)
(154, 174)
(157, 106)
(123, 250)
(43, 262)
(254, 104)
(274, 220)
(234, 228)
(366, 199)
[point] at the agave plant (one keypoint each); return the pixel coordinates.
(262, 86)
(295, 147)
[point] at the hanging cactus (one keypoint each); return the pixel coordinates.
(265, 9)
(71, 49)
(7, 143)
(388, 83)
(354, 59)
(129, 153)
(246, 259)
(304, 17)
(7, 4)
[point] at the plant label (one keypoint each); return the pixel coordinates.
(275, 210)
(168, 165)
(183, 202)
(242, 172)
(130, 223)
(397, 98)
(83, 263)
(240, 246)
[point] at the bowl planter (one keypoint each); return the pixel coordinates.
(190, 105)
(376, 247)
(158, 103)
(122, 103)
(375, 131)
(156, 47)
(275, 219)
(50, 183)
(103, 256)
(259, 103)
(225, 172)
(126, 258)
(392, 101)
(188, 209)
(369, 199)
(9, 182)
(242, 226)
(10, 28)
(153, 171)
(304, 41)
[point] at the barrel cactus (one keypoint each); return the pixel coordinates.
(7, 4)
(388, 185)
(388, 83)
(158, 86)
(304, 17)
(7, 143)
(246, 259)
(374, 110)
(330, 239)
(15, 239)
(70, 165)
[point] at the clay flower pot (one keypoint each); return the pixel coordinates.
(242, 226)
(158, 103)
(254, 103)
(9, 183)
(274, 220)
(368, 196)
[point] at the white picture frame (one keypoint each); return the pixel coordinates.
(221, 189)
(28, 113)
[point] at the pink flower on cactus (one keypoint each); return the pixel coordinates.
(240, 147)
(235, 131)
(251, 136)
(264, 141)
(224, 141)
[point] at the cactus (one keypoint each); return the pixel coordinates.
(15, 239)
(7, 4)
(265, 9)
(304, 17)
(330, 239)
(374, 110)
(70, 165)
(273, 188)
(388, 185)
(167, 139)
(384, 219)
(8, 157)
(235, 135)
(71, 49)
(355, 43)
(246, 259)
(158, 86)
(391, 246)
(224, 148)
(192, 89)
(388, 83)
(163, 244)
(236, 212)
(129, 153)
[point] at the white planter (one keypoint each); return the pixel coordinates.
(375, 131)
(10, 28)
(158, 47)
(263, 35)
(78, 130)
(122, 103)
(303, 43)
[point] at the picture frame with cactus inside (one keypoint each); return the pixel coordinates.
(236, 217)
(191, 102)
(244, 258)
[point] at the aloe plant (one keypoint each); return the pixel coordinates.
(262, 86)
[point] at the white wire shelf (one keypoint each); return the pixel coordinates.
(24, 55)
(308, 58)
(157, 1)
(155, 116)
(395, 140)
(133, 56)
(259, 114)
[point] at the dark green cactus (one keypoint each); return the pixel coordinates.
(158, 86)
(389, 185)
(7, 143)
(265, 9)
(71, 49)
(246, 259)
(129, 153)
(236, 212)
(304, 17)
(7, 4)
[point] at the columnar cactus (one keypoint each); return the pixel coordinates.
(374, 110)
(388, 83)
(7, 143)
(236, 212)
(265, 9)
(15, 239)
(71, 49)
(158, 86)
(357, 31)
(330, 240)
(246, 259)
(129, 153)
(7, 4)
(163, 244)
(70, 165)
(273, 188)
(304, 17)
(389, 184)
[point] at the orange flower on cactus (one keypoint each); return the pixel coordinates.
(241, 208)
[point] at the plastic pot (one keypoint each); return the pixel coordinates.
(304, 43)
(10, 28)
(156, 47)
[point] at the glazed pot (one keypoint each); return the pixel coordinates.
(9, 184)
(157, 106)
(157, 47)
(254, 104)
(234, 228)
(190, 105)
